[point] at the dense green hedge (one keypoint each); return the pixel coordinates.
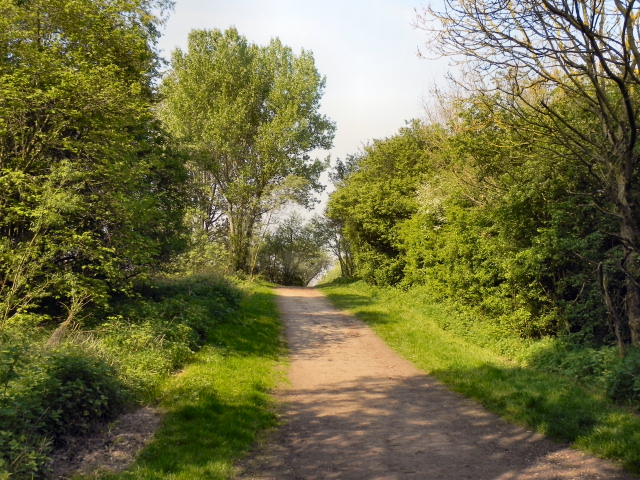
(474, 212)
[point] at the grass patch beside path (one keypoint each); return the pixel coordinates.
(547, 403)
(219, 405)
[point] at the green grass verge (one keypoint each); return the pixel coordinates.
(220, 404)
(547, 403)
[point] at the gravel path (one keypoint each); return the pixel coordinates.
(355, 410)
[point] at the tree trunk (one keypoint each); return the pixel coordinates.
(614, 315)
(632, 301)
(241, 225)
(630, 235)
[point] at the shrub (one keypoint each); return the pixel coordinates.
(46, 394)
(623, 381)
(145, 347)
(55, 393)
(75, 390)
(150, 337)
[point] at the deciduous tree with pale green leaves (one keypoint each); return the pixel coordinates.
(90, 192)
(249, 117)
(376, 193)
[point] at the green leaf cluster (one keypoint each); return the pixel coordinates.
(91, 193)
(377, 196)
(482, 214)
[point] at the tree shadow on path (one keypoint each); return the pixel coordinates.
(355, 410)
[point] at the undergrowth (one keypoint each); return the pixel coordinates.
(99, 365)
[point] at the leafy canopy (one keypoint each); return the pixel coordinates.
(249, 117)
(90, 192)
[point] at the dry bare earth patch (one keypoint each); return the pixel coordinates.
(356, 410)
(112, 449)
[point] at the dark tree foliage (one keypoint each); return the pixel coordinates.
(568, 71)
(481, 213)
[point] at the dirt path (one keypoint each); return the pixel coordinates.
(356, 410)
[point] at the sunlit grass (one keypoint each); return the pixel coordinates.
(547, 403)
(220, 404)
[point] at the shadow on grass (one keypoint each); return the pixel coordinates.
(559, 409)
(553, 406)
(252, 330)
(340, 281)
(361, 305)
(217, 406)
(198, 440)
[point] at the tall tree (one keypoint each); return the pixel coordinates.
(569, 70)
(249, 117)
(89, 190)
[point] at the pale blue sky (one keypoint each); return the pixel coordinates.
(366, 49)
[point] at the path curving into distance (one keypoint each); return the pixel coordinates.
(355, 410)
